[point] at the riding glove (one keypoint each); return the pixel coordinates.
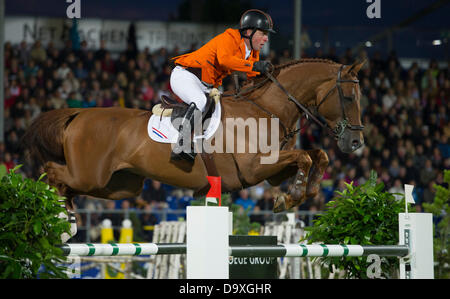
(261, 66)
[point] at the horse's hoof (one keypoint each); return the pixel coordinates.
(280, 204)
(312, 189)
(283, 203)
(299, 179)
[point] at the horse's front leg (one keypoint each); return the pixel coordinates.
(320, 163)
(288, 163)
(297, 192)
(306, 184)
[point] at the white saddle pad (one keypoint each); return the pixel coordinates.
(162, 130)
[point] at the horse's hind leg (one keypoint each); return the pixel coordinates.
(58, 176)
(55, 175)
(54, 172)
(71, 218)
(79, 179)
(320, 163)
(123, 184)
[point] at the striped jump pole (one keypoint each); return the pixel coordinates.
(207, 246)
(208, 250)
(121, 249)
(321, 250)
(281, 250)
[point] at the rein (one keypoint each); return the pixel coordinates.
(241, 93)
(337, 132)
(344, 123)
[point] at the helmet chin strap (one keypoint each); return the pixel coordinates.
(250, 37)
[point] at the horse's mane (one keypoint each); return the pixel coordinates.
(304, 60)
(258, 80)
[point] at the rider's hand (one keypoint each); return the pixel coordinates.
(261, 66)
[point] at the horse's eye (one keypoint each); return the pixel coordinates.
(352, 97)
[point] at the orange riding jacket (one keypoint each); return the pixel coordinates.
(220, 57)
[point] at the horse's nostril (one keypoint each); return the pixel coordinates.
(355, 143)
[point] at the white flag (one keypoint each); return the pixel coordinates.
(408, 194)
(210, 199)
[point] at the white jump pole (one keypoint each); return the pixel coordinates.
(207, 242)
(416, 231)
(207, 247)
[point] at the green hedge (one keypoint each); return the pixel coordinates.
(30, 228)
(441, 210)
(362, 215)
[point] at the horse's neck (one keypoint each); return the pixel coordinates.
(299, 81)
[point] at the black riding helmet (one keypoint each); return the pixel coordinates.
(257, 20)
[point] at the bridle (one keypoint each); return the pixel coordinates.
(344, 123)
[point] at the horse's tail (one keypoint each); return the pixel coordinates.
(45, 136)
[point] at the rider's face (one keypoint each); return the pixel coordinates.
(259, 39)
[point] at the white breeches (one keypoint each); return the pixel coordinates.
(188, 87)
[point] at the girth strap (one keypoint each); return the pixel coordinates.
(210, 165)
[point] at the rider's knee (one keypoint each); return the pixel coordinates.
(201, 104)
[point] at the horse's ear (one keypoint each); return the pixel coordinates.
(355, 67)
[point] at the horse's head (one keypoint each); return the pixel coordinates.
(338, 102)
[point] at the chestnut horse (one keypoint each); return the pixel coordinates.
(107, 153)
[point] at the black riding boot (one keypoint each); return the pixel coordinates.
(185, 131)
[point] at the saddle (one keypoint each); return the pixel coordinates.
(175, 109)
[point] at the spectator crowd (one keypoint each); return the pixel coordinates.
(404, 111)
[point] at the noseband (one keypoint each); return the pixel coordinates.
(344, 123)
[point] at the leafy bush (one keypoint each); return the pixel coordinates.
(362, 215)
(441, 211)
(30, 228)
